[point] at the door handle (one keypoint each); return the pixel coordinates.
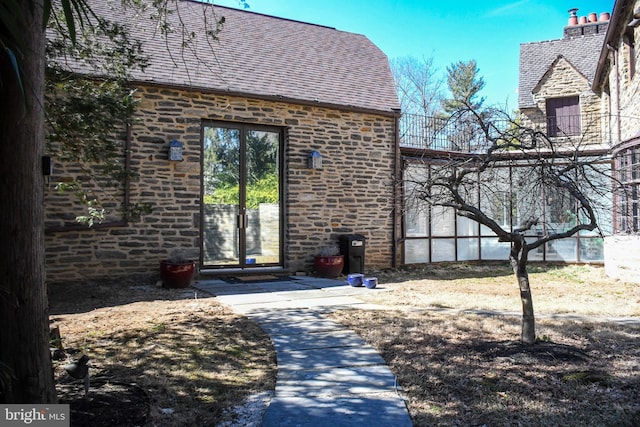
(242, 221)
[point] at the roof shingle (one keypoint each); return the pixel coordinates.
(536, 58)
(264, 56)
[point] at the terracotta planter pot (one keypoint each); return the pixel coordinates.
(177, 275)
(329, 266)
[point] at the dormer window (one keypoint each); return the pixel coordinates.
(563, 116)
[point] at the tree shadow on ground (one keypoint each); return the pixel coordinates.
(157, 354)
(446, 271)
(109, 404)
(461, 270)
(84, 296)
(457, 370)
(178, 363)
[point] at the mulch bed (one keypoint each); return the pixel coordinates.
(108, 404)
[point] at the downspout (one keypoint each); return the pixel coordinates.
(127, 174)
(616, 74)
(397, 176)
(617, 221)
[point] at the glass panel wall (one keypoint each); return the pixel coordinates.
(509, 197)
(468, 249)
(443, 250)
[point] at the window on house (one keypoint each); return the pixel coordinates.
(629, 41)
(628, 195)
(563, 116)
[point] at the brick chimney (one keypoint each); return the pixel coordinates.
(585, 25)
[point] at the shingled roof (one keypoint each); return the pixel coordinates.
(536, 59)
(263, 56)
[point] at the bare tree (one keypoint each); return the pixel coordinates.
(420, 90)
(418, 85)
(527, 188)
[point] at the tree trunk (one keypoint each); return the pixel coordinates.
(518, 259)
(24, 334)
(528, 319)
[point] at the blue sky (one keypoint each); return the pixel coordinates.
(449, 31)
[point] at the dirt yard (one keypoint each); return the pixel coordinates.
(464, 369)
(159, 357)
(165, 357)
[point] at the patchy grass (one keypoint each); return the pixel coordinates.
(471, 370)
(465, 371)
(573, 289)
(183, 360)
(187, 358)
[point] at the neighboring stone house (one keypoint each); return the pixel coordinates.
(269, 88)
(617, 80)
(555, 81)
(555, 95)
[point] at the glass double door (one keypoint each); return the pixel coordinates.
(241, 196)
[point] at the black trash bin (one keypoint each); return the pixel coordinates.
(352, 247)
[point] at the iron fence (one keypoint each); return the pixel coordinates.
(465, 135)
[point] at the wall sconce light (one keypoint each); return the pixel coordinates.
(315, 160)
(175, 151)
(47, 166)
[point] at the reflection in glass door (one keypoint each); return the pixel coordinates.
(241, 185)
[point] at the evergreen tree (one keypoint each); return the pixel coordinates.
(465, 83)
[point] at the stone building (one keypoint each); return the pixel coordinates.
(584, 88)
(617, 81)
(312, 108)
(556, 95)
(555, 79)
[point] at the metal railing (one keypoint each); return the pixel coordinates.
(437, 133)
(465, 135)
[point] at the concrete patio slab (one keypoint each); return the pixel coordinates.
(327, 375)
(297, 303)
(336, 412)
(337, 382)
(328, 339)
(325, 358)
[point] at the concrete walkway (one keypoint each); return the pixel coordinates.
(327, 375)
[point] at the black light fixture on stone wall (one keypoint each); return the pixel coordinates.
(47, 168)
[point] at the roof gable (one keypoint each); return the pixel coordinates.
(263, 56)
(536, 59)
(559, 61)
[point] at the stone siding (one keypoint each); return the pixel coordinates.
(563, 80)
(352, 193)
(622, 258)
(620, 89)
(622, 252)
(629, 87)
